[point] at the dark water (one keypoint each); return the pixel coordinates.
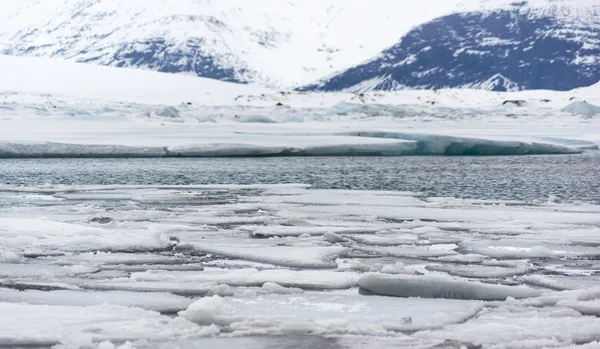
(576, 177)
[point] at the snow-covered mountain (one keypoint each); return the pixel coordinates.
(279, 43)
(499, 45)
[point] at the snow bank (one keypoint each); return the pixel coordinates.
(440, 287)
(56, 77)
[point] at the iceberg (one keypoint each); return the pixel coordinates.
(440, 287)
(432, 144)
(227, 143)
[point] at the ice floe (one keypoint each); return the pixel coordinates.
(440, 287)
(288, 260)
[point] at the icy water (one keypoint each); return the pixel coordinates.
(575, 177)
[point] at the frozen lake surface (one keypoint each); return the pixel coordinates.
(575, 177)
(424, 252)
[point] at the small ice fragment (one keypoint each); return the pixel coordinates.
(80, 269)
(440, 287)
(298, 327)
(221, 290)
(333, 237)
(168, 112)
(357, 265)
(78, 340)
(10, 257)
(273, 288)
(397, 268)
(205, 312)
(127, 345)
(389, 269)
(555, 199)
(106, 345)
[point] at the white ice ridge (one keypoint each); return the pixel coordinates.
(352, 144)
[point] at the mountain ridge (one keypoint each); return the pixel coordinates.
(276, 43)
(539, 45)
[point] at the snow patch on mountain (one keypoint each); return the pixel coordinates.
(279, 43)
(495, 45)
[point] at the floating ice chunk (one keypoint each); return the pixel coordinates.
(77, 340)
(168, 112)
(333, 237)
(478, 271)
(360, 266)
(522, 327)
(542, 281)
(256, 119)
(555, 199)
(271, 287)
(518, 250)
(178, 281)
(586, 308)
(207, 311)
(382, 240)
(52, 236)
(581, 108)
(221, 291)
(440, 287)
(461, 259)
(106, 345)
(178, 288)
(321, 313)
(589, 294)
(47, 325)
(10, 257)
(406, 251)
(42, 271)
(161, 302)
(290, 256)
(397, 268)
